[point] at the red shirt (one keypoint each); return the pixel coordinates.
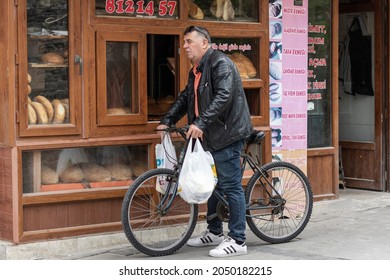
(196, 85)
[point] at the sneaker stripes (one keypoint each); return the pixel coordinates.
(205, 239)
(228, 248)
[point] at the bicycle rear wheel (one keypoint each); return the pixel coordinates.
(149, 227)
(277, 219)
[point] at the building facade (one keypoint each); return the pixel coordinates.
(86, 82)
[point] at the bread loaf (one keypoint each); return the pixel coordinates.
(240, 67)
(32, 115)
(250, 69)
(59, 112)
(119, 171)
(138, 168)
(66, 106)
(222, 9)
(29, 89)
(194, 11)
(48, 176)
(41, 112)
(169, 99)
(118, 111)
(65, 101)
(72, 174)
(29, 79)
(47, 105)
(52, 58)
(95, 173)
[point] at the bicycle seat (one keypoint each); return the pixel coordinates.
(256, 137)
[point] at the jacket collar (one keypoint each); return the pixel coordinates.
(204, 60)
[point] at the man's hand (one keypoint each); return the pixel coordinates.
(160, 129)
(194, 132)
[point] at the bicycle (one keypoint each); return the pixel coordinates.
(279, 203)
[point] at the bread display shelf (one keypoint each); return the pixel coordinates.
(80, 186)
(47, 65)
(252, 83)
(48, 37)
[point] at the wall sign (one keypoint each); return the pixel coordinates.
(288, 79)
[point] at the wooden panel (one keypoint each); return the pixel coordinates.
(73, 214)
(6, 214)
(7, 80)
(364, 155)
(359, 163)
(321, 173)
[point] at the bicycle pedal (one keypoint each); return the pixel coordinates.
(283, 218)
(202, 217)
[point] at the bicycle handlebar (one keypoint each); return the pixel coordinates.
(172, 129)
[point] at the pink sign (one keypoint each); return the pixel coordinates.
(288, 73)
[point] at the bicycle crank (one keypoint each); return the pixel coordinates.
(222, 212)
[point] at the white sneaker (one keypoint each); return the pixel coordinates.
(228, 248)
(206, 238)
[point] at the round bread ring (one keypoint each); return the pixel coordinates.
(65, 101)
(59, 111)
(41, 112)
(32, 115)
(66, 106)
(47, 105)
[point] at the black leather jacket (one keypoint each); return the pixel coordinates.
(224, 115)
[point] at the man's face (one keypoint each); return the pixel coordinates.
(195, 45)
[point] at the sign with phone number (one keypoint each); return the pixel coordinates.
(139, 7)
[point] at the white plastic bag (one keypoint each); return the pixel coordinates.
(198, 174)
(165, 158)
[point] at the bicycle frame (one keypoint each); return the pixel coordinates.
(172, 187)
(247, 159)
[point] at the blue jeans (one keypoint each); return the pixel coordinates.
(227, 162)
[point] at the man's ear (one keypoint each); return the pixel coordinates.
(205, 43)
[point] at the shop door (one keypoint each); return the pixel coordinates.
(361, 118)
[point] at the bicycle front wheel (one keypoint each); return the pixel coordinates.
(278, 218)
(151, 223)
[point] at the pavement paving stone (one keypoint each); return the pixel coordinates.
(355, 226)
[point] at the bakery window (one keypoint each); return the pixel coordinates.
(244, 52)
(82, 168)
(163, 77)
(120, 58)
(224, 10)
(48, 71)
(138, 9)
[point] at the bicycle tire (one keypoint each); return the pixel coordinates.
(279, 224)
(150, 231)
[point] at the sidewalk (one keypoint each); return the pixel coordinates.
(356, 226)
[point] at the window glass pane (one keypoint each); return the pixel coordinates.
(319, 75)
(224, 10)
(244, 52)
(83, 168)
(122, 77)
(162, 75)
(138, 9)
(47, 50)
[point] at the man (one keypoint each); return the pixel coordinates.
(218, 113)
